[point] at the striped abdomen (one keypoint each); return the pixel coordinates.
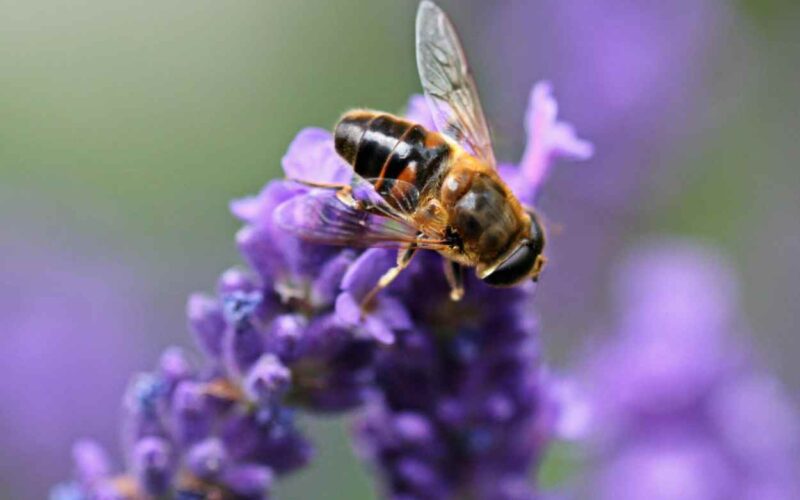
(383, 147)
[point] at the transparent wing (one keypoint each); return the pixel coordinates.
(448, 84)
(364, 218)
(399, 196)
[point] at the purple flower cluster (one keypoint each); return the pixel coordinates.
(459, 400)
(454, 392)
(272, 343)
(680, 409)
(461, 406)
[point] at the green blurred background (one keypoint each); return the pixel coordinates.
(126, 127)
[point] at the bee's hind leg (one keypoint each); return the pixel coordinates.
(454, 272)
(403, 258)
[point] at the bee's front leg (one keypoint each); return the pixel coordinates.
(403, 258)
(454, 272)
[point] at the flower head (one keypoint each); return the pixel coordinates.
(461, 397)
(226, 426)
(454, 393)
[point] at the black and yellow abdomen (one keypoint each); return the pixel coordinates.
(383, 147)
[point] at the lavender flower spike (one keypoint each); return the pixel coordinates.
(457, 404)
(462, 406)
(273, 343)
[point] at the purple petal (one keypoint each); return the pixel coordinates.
(757, 420)
(422, 477)
(144, 400)
(373, 325)
(394, 313)
(152, 465)
(242, 346)
(207, 459)
(91, 462)
(413, 428)
(324, 336)
(689, 471)
(680, 288)
(174, 365)
(312, 157)
(286, 335)
(573, 410)
(257, 248)
(329, 281)
(257, 210)
(206, 320)
(548, 139)
(235, 280)
(367, 270)
(419, 111)
(267, 380)
(348, 309)
(377, 328)
(191, 412)
(250, 480)
(276, 443)
(240, 307)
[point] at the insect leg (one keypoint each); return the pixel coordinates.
(345, 195)
(344, 192)
(321, 185)
(403, 258)
(454, 272)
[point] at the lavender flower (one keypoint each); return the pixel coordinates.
(681, 410)
(224, 428)
(459, 397)
(460, 406)
(456, 404)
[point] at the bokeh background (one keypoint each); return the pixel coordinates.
(125, 129)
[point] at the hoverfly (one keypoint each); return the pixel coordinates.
(416, 189)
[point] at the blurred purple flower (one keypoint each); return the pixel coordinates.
(680, 409)
(634, 77)
(58, 310)
(458, 403)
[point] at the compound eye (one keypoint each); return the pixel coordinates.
(537, 234)
(516, 267)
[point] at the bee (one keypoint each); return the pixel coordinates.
(417, 189)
